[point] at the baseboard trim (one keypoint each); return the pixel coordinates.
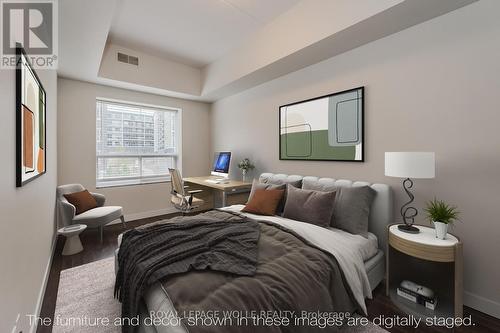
(145, 215)
(482, 304)
(41, 294)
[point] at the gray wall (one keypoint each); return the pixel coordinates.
(27, 213)
(77, 149)
(432, 87)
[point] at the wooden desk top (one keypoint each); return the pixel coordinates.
(229, 186)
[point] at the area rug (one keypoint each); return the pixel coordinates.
(85, 302)
(85, 295)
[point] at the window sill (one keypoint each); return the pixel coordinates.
(135, 182)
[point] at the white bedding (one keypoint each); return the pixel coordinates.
(367, 247)
(349, 250)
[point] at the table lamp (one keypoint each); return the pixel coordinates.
(409, 165)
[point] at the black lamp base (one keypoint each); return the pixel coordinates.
(408, 228)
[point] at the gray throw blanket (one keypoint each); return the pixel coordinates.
(217, 241)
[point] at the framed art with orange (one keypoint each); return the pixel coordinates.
(31, 150)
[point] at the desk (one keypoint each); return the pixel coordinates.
(233, 192)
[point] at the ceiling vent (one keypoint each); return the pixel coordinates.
(128, 59)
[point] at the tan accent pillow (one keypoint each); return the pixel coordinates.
(264, 202)
(83, 201)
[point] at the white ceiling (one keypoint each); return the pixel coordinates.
(193, 32)
(231, 36)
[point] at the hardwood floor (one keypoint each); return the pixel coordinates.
(93, 250)
(380, 305)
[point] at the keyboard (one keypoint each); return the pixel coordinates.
(217, 181)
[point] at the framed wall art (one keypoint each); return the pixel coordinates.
(325, 128)
(31, 150)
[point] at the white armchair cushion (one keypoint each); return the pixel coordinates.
(99, 216)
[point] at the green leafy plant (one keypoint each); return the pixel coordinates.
(440, 211)
(246, 165)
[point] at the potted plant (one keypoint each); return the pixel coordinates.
(244, 166)
(441, 215)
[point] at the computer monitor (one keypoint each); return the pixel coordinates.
(222, 160)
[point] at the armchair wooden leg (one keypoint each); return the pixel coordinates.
(123, 221)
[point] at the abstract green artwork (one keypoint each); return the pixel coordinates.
(326, 128)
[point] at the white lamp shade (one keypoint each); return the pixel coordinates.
(410, 164)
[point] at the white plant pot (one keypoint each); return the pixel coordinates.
(441, 229)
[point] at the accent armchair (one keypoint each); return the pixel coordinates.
(93, 218)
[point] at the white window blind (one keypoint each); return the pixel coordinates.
(134, 144)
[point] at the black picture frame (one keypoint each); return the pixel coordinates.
(362, 89)
(20, 53)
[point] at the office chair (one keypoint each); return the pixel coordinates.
(183, 200)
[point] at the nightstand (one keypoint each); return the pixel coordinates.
(427, 261)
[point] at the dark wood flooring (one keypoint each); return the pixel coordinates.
(93, 250)
(380, 305)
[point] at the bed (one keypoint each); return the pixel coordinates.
(381, 214)
(356, 255)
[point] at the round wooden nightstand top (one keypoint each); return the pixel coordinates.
(424, 245)
(426, 236)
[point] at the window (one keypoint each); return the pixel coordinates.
(135, 144)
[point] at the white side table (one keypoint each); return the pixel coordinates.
(73, 245)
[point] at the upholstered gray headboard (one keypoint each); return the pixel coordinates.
(381, 210)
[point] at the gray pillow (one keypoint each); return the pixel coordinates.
(309, 206)
(284, 182)
(256, 185)
(352, 209)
